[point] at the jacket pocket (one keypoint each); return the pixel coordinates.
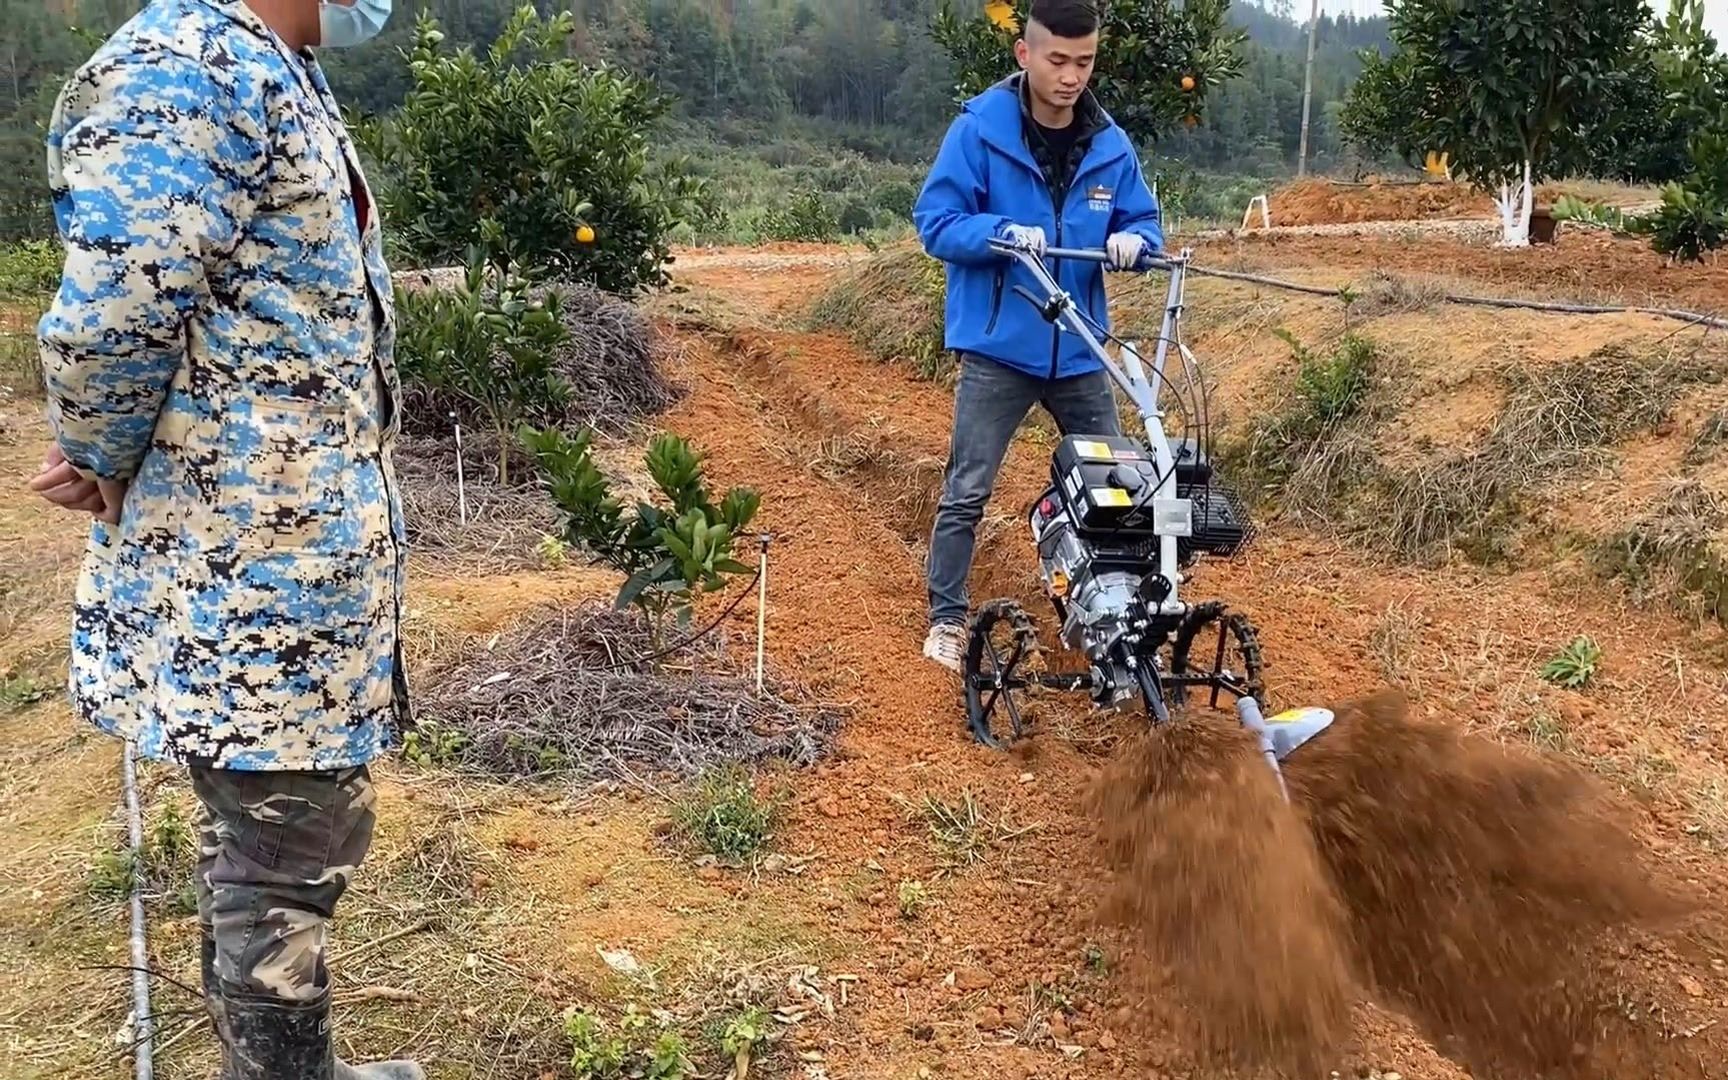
(286, 477)
(996, 287)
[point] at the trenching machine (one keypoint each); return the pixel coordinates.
(1121, 522)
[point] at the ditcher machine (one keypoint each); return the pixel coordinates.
(1122, 520)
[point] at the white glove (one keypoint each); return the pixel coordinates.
(1125, 250)
(1030, 237)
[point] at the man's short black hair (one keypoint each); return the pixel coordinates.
(1065, 18)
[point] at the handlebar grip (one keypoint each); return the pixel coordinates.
(1096, 255)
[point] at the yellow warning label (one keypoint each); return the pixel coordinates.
(1110, 497)
(1094, 451)
(1291, 716)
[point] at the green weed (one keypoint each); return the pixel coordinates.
(20, 692)
(432, 746)
(1575, 665)
(744, 1037)
(725, 817)
(914, 898)
(111, 875)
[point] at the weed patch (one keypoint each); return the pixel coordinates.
(1575, 665)
(1317, 459)
(1710, 438)
(637, 1045)
(1385, 293)
(20, 691)
(914, 898)
(163, 866)
(725, 817)
(962, 832)
(1297, 448)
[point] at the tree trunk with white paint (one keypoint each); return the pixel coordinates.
(1515, 208)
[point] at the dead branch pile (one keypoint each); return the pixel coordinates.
(610, 360)
(561, 694)
(505, 521)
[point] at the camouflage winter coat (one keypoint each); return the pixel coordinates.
(223, 337)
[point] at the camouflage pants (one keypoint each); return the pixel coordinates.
(276, 850)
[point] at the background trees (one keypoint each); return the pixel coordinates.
(866, 75)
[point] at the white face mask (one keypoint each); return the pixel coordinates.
(342, 26)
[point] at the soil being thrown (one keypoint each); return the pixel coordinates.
(1469, 886)
(1220, 883)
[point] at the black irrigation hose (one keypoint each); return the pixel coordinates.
(1691, 317)
(698, 635)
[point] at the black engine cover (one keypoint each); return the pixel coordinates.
(1106, 483)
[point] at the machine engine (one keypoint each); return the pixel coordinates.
(1098, 530)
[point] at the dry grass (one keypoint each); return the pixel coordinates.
(506, 522)
(1557, 420)
(1384, 293)
(1676, 553)
(1709, 816)
(1396, 641)
(892, 307)
(1708, 442)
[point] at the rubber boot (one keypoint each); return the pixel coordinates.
(380, 1070)
(213, 1004)
(271, 1039)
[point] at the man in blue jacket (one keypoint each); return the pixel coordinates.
(1035, 159)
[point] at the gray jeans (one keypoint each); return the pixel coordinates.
(989, 403)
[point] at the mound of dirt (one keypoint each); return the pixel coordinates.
(1222, 886)
(1324, 202)
(1479, 884)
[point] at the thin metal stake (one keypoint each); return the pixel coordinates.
(761, 609)
(461, 486)
(143, 1059)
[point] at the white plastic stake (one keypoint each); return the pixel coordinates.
(761, 612)
(1265, 212)
(461, 485)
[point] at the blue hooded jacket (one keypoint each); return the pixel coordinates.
(985, 179)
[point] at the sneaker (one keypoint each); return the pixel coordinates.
(946, 644)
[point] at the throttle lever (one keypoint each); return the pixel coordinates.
(1050, 309)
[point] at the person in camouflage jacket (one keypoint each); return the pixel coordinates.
(222, 392)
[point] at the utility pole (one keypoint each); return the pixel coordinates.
(1308, 89)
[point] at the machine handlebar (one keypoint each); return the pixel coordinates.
(1147, 264)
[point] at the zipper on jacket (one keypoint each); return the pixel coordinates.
(1056, 275)
(995, 303)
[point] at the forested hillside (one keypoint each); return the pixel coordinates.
(751, 74)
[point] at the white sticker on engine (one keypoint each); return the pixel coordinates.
(1173, 517)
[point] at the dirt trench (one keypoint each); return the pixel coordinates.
(1530, 978)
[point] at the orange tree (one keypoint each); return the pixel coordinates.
(1510, 90)
(1156, 58)
(537, 158)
